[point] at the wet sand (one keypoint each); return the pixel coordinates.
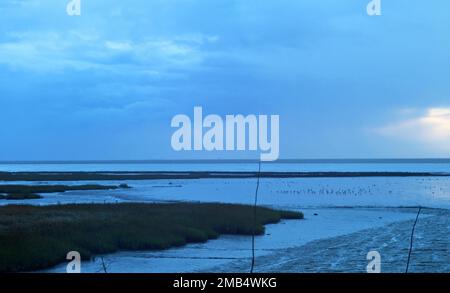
(347, 253)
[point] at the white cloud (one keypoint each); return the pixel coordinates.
(119, 46)
(49, 51)
(430, 128)
(46, 51)
(197, 38)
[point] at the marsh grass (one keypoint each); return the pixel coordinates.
(33, 238)
(99, 176)
(20, 196)
(22, 192)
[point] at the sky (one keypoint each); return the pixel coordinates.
(105, 85)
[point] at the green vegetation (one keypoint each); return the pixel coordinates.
(37, 237)
(19, 196)
(98, 176)
(16, 192)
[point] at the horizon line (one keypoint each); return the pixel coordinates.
(234, 161)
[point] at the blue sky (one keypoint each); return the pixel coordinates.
(106, 84)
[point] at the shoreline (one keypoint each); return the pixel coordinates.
(171, 175)
(232, 253)
(23, 192)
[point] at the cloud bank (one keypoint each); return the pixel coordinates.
(431, 128)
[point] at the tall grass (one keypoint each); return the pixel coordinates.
(33, 238)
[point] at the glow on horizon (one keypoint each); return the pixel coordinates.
(431, 128)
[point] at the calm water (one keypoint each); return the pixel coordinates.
(286, 193)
